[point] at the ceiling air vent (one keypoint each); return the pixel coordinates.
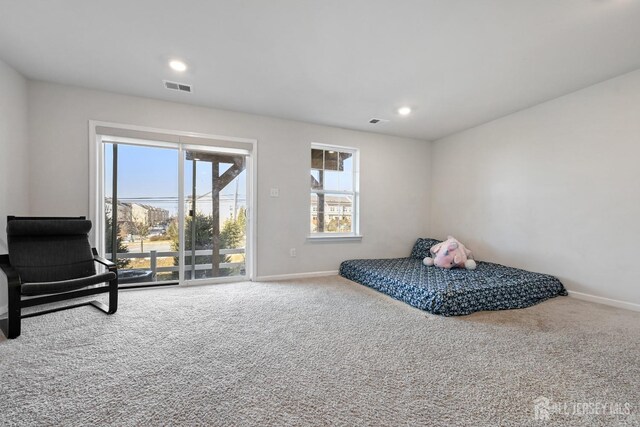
(375, 121)
(182, 87)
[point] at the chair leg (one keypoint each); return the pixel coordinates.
(99, 305)
(113, 296)
(11, 325)
(113, 299)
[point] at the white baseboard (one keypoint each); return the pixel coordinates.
(606, 301)
(4, 309)
(295, 276)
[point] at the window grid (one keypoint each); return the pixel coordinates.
(334, 191)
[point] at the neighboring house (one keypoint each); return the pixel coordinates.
(130, 213)
(156, 215)
(229, 205)
(148, 215)
(337, 213)
(139, 214)
(124, 210)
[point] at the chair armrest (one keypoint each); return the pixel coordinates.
(13, 278)
(97, 258)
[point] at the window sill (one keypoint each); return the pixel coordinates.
(335, 238)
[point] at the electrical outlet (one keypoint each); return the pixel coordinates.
(275, 192)
(292, 252)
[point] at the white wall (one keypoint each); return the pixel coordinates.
(14, 166)
(394, 172)
(554, 188)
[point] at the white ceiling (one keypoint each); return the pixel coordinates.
(457, 63)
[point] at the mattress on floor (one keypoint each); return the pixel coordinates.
(453, 292)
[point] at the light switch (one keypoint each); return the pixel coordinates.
(275, 192)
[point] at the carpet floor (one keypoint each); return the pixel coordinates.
(319, 352)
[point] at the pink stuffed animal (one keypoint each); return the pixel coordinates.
(449, 254)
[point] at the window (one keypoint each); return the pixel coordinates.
(334, 191)
(172, 207)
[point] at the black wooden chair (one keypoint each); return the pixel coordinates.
(51, 260)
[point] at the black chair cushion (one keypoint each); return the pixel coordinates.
(50, 250)
(41, 288)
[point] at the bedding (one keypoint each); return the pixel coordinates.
(453, 292)
(421, 248)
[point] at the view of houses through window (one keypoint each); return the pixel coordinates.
(146, 202)
(333, 190)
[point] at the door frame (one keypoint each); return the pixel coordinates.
(96, 189)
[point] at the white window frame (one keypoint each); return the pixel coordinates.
(355, 209)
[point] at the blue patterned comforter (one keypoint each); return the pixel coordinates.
(453, 292)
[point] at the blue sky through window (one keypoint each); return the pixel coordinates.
(149, 175)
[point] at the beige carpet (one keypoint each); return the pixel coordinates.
(319, 352)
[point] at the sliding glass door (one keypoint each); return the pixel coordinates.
(215, 229)
(174, 212)
(141, 212)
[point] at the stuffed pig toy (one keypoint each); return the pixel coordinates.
(450, 254)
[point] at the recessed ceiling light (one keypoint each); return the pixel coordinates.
(403, 111)
(178, 65)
